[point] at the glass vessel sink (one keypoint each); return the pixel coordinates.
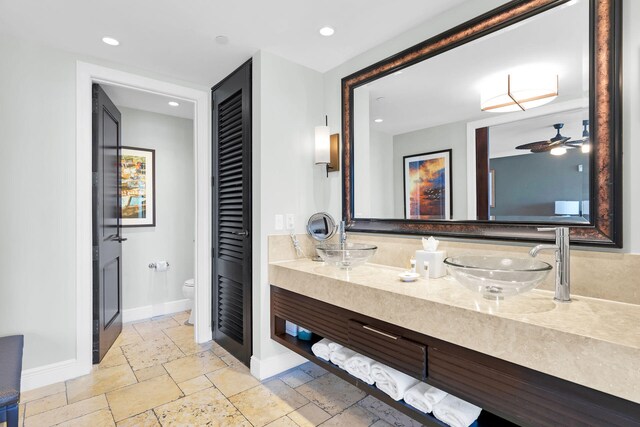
(496, 277)
(346, 255)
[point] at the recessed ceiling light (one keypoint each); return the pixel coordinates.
(110, 41)
(173, 103)
(397, 73)
(222, 39)
(327, 31)
(378, 120)
(380, 98)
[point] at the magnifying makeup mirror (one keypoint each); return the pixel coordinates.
(321, 227)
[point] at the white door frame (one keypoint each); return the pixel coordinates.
(86, 75)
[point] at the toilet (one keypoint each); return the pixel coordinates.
(188, 290)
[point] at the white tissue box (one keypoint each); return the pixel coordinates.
(435, 260)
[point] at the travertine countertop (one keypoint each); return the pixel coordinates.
(589, 341)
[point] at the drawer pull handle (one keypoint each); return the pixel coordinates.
(369, 328)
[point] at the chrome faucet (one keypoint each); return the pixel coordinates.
(562, 251)
(342, 232)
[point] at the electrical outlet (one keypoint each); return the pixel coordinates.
(279, 222)
(291, 221)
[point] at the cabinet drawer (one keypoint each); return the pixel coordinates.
(389, 348)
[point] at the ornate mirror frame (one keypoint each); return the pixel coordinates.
(605, 104)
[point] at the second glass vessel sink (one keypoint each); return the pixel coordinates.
(346, 255)
(496, 277)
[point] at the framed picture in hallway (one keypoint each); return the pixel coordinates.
(427, 185)
(137, 187)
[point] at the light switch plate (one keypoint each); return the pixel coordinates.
(279, 222)
(291, 221)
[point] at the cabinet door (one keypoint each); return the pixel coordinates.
(524, 396)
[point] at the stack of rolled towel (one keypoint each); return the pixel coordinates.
(425, 398)
(392, 382)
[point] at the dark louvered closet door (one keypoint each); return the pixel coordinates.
(232, 213)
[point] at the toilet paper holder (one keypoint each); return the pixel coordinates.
(153, 265)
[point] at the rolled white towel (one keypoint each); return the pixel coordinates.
(391, 381)
(334, 346)
(422, 396)
(340, 356)
(456, 412)
(322, 349)
(360, 367)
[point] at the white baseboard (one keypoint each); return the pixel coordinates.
(53, 373)
(266, 368)
(149, 311)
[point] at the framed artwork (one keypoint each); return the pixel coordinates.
(427, 185)
(137, 187)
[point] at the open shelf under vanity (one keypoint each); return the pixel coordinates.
(510, 395)
(303, 348)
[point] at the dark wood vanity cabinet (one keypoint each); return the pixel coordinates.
(508, 393)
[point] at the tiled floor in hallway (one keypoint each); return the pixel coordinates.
(155, 375)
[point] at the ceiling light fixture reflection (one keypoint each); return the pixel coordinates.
(173, 103)
(110, 41)
(519, 92)
(327, 31)
(558, 151)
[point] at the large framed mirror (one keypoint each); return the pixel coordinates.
(506, 123)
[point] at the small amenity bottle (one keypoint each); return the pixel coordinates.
(304, 334)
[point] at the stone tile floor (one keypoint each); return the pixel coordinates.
(155, 375)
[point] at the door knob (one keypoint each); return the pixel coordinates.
(243, 233)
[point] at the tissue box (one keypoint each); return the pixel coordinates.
(291, 329)
(435, 260)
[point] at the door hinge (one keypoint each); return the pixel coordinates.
(96, 253)
(95, 105)
(94, 178)
(96, 330)
(213, 181)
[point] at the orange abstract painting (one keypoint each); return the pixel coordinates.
(427, 185)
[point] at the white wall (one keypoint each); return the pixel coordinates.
(470, 9)
(450, 136)
(382, 163)
(362, 160)
(287, 105)
(37, 167)
(173, 237)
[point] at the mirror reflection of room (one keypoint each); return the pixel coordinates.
(496, 129)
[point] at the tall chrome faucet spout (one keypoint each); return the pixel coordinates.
(342, 232)
(563, 254)
(534, 251)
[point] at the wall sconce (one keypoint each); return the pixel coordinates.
(519, 92)
(327, 148)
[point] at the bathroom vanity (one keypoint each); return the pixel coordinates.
(526, 361)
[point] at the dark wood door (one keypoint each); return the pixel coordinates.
(482, 173)
(231, 134)
(107, 238)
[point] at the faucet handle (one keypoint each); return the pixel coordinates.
(562, 233)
